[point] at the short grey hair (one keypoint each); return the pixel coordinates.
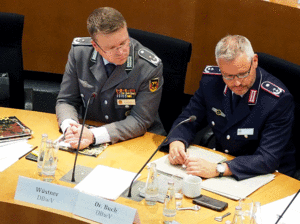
(232, 46)
(105, 20)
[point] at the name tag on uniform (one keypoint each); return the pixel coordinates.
(245, 131)
(126, 102)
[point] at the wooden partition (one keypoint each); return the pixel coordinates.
(50, 27)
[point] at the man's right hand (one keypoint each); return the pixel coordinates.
(177, 154)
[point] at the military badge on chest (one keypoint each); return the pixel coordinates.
(126, 97)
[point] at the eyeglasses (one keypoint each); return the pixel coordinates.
(115, 50)
(240, 76)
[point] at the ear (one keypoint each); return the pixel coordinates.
(94, 44)
(255, 61)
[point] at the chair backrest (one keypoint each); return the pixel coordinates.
(289, 74)
(175, 55)
(11, 60)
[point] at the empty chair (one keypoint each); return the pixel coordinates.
(11, 60)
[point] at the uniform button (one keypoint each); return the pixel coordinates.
(226, 151)
(105, 101)
(228, 137)
(213, 123)
(106, 117)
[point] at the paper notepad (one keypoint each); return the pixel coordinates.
(106, 182)
(164, 166)
(234, 189)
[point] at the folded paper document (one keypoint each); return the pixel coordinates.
(234, 189)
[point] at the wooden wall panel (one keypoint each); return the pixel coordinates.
(50, 27)
(271, 28)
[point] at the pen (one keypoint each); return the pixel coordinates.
(29, 152)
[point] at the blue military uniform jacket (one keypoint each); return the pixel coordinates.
(127, 101)
(258, 132)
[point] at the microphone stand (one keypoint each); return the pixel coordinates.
(190, 119)
(88, 104)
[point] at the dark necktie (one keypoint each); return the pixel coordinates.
(235, 101)
(109, 68)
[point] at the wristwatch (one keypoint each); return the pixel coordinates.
(220, 169)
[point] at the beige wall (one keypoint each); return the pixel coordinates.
(50, 27)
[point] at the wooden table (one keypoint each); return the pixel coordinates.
(291, 3)
(129, 155)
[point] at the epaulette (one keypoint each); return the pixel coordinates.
(212, 70)
(272, 88)
(81, 41)
(149, 56)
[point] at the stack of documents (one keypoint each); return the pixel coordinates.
(13, 141)
(12, 129)
(164, 166)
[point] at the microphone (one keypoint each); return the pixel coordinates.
(87, 107)
(190, 119)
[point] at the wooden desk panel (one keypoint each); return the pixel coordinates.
(291, 3)
(129, 155)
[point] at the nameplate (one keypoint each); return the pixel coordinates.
(245, 131)
(46, 194)
(104, 211)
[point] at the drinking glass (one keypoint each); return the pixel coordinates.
(247, 209)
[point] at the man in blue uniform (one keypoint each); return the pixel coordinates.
(250, 111)
(126, 77)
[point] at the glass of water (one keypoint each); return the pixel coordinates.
(247, 209)
(50, 161)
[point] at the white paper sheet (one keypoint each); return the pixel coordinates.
(106, 182)
(271, 212)
(10, 153)
(7, 162)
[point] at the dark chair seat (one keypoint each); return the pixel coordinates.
(11, 60)
(289, 74)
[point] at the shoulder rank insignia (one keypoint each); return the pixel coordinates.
(272, 88)
(212, 70)
(82, 41)
(153, 84)
(149, 56)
